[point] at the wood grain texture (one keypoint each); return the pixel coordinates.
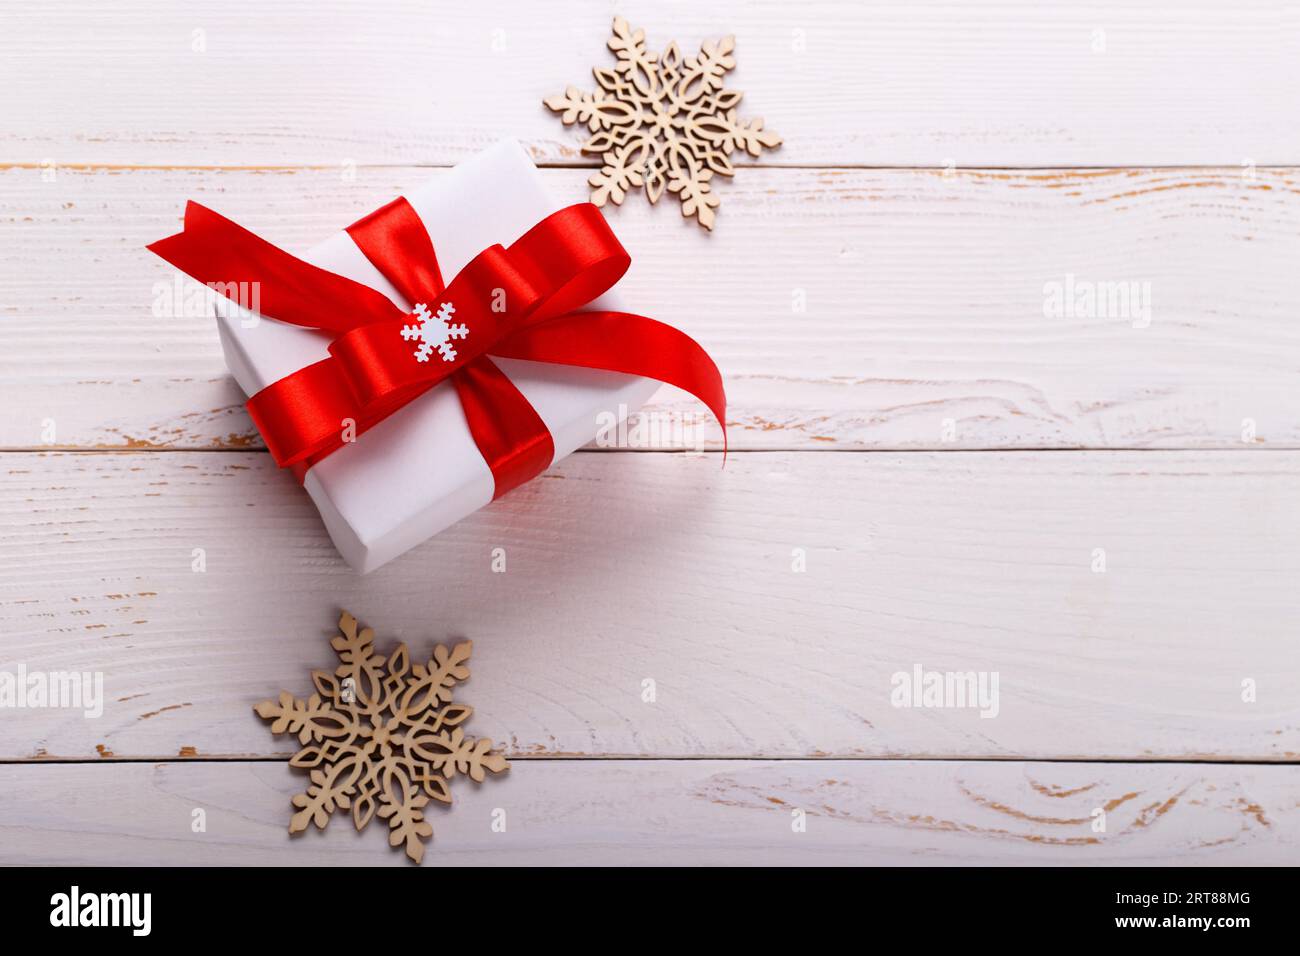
(695, 812)
(915, 84)
(627, 568)
(885, 308)
(853, 308)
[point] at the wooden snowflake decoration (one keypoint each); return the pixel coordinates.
(381, 735)
(663, 122)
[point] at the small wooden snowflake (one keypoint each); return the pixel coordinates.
(381, 735)
(663, 122)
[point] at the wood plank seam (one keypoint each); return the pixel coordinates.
(686, 758)
(76, 166)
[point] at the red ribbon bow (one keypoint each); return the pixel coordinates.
(518, 303)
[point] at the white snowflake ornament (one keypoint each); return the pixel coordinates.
(434, 332)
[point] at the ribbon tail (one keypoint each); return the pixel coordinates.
(510, 435)
(256, 275)
(623, 342)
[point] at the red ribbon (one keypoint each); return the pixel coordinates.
(518, 303)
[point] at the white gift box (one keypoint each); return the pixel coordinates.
(419, 471)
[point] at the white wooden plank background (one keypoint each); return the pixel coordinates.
(1002, 83)
(1142, 142)
(701, 812)
(627, 567)
(924, 298)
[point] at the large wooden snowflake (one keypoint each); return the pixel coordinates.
(663, 122)
(381, 735)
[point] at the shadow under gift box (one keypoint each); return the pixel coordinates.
(419, 471)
